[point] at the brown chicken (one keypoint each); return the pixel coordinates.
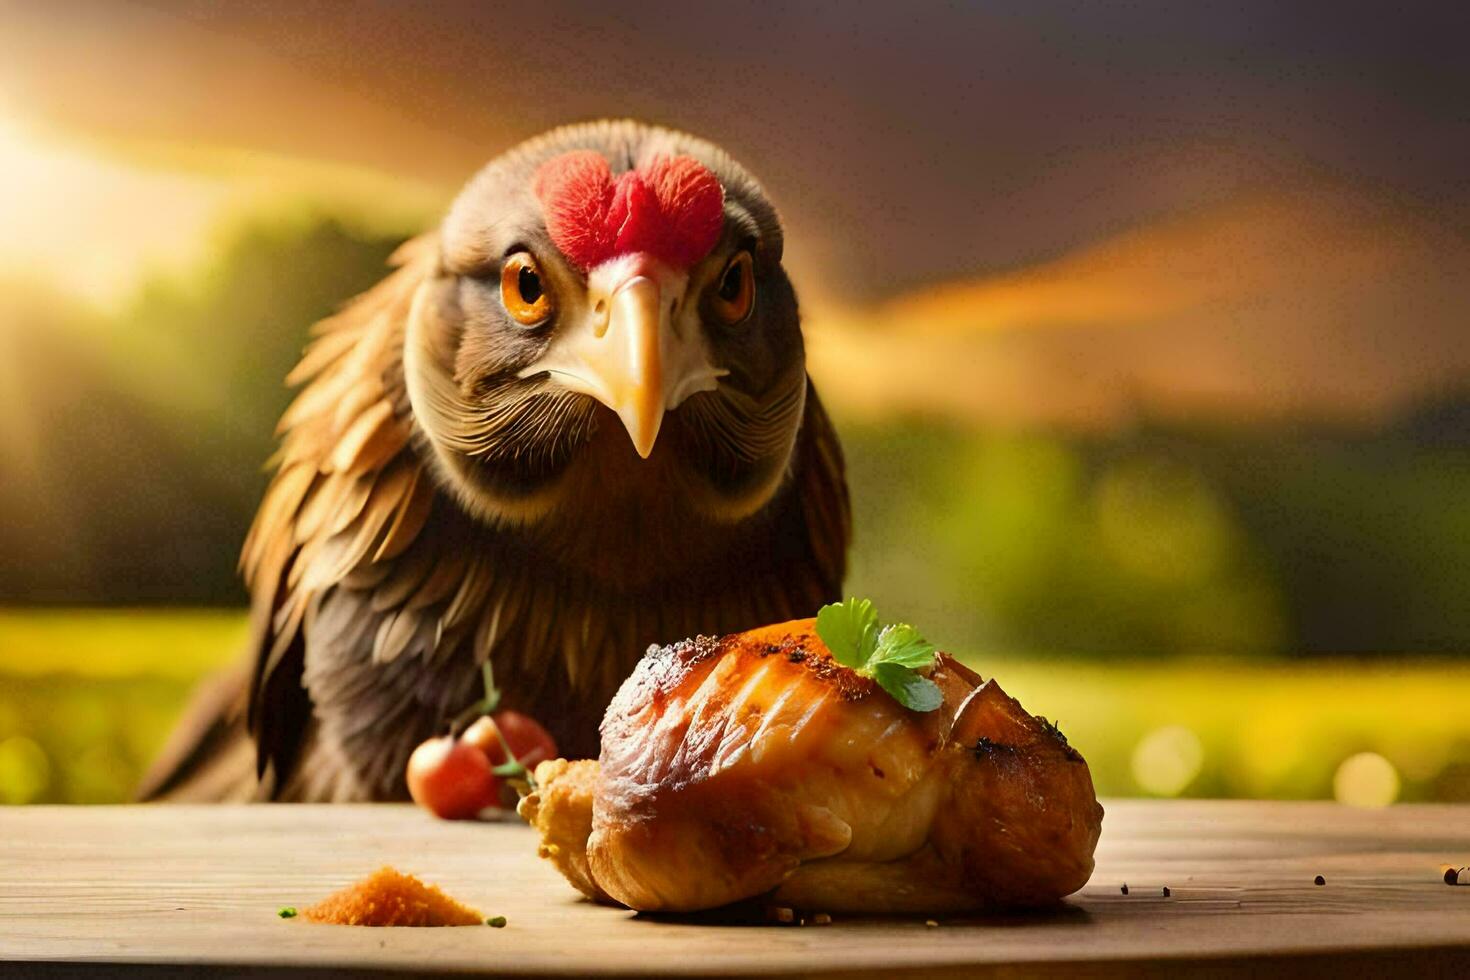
(756, 764)
(575, 420)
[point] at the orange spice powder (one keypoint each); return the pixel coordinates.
(388, 897)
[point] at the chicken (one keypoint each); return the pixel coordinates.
(575, 420)
(757, 764)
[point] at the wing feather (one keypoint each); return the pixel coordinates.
(320, 354)
(312, 518)
(397, 630)
(408, 519)
(355, 403)
(351, 501)
(372, 439)
(367, 578)
(401, 579)
(282, 498)
(467, 598)
(342, 511)
(440, 583)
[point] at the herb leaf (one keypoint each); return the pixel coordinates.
(893, 656)
(900, 643)
(850, 630)
(908, 687)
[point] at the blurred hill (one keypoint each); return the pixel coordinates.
(1325, 302)
(134, 443)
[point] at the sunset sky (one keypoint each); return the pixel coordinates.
(1017, 211)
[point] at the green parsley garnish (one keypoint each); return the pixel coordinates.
(895, 656)
(496, 921)
(286, 911)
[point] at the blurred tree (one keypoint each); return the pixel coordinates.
(1043, 544)
(151, 428)
(1368, 535)
(1166, 539)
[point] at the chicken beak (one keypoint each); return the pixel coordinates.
(631, 354)
(632, 369)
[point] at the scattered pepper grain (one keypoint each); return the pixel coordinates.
(1319, 880)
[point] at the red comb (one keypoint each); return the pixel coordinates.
(672, 209)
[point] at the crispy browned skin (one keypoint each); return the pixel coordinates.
(756, 764)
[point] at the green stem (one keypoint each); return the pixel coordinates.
(492, 693)
(462, 720)
(513, 768)
(483, 706)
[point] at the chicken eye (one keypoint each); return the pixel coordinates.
(523, 291)
(735, 293)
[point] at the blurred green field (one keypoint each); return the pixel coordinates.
(87, 696)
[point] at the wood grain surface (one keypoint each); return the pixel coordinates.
(174, 889)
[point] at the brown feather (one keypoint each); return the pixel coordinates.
(321, 353)
(401, 579)
(282, 498)
(408, 519)
(313, 516)
(441, 582)
(372, 439)
(352, 501)
(355, 403)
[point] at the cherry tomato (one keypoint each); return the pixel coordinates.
(527, 739)
(451, 779)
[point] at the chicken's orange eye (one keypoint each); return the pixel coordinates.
(735, 292)
(523, 291)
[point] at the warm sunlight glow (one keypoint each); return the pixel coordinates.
(91, 226)
(94, 220)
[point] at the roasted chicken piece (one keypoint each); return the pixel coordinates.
(756, 764)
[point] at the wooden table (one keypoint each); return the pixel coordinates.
(166, 887)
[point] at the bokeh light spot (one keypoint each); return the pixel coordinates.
(1366, 779)
(25, 772)
(1167, 760)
